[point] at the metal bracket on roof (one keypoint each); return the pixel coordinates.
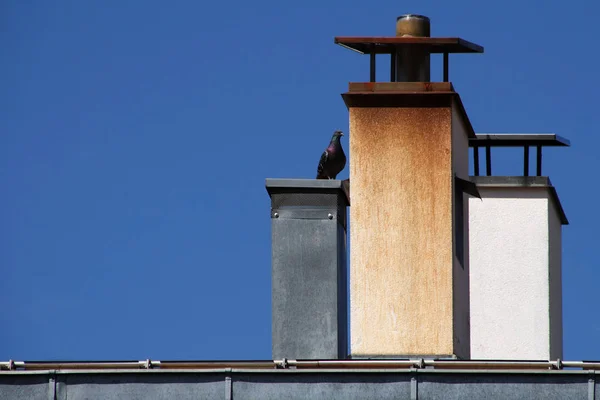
(228, 387)
(556, 364)
(282, 364)
(414, 388)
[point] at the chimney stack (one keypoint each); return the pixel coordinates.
(515, 257)
(409, 287)
(434, 274)
(309, 300)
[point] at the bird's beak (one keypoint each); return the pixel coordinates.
(341, 133)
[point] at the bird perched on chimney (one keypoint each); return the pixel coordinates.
(333, 159)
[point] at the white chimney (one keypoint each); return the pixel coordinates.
(515, 264)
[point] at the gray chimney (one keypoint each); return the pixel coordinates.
(309, 278)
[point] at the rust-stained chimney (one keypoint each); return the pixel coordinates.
(409, 290)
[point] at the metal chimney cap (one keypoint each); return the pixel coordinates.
(413, 25)
(413, 16)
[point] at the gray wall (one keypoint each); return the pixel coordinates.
(297, 384)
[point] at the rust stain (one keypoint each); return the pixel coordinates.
(401, 231)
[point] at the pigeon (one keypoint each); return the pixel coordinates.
(333, 159)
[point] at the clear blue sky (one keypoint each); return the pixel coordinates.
(136, 137)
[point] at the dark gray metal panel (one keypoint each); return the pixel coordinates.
(305, 292)
(30, 387)
(309, 301)
(501, 387)
(145, 386)
(321, 386)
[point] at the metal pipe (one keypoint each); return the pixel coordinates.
(303, 364)
(372, 69)
(581, 364)
(441, 364)
(526, 161)
(217, 364)
(413, 63)
(30, 366)
(446, 68)
(352, 363)
(488, 160)
(147, 364)
(476, 160)
(451, 364)
(393, 59)
(539, 161)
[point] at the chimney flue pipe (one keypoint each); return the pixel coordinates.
(412, 62)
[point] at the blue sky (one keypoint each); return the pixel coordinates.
(135, 137)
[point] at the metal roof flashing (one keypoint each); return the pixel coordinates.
(283, 185)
